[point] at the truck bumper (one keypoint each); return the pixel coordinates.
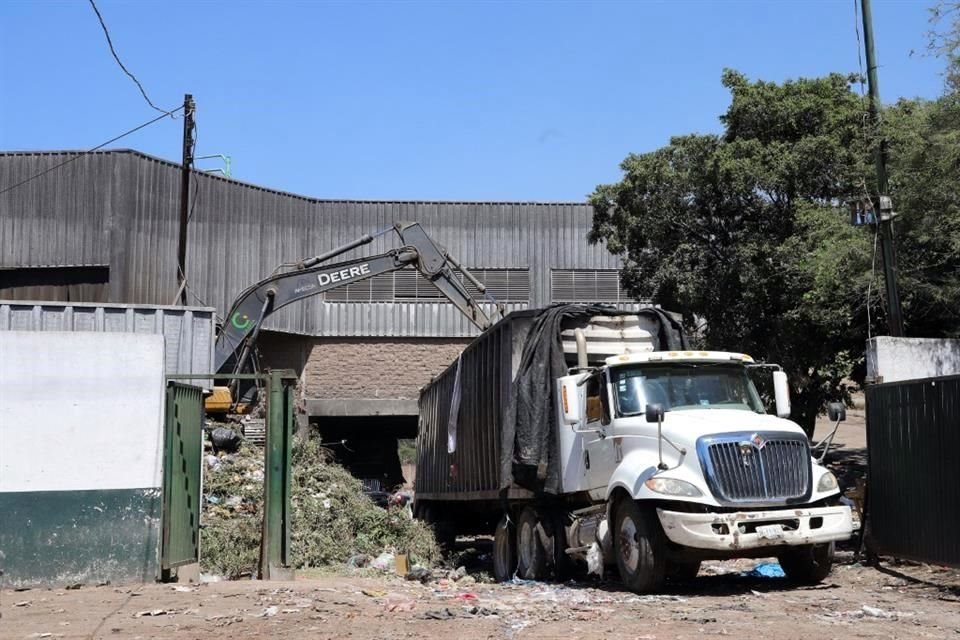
(756, 529)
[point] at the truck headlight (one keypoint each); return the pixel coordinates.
(828, 482)
(673, 487)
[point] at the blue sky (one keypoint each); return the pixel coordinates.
(423, 100)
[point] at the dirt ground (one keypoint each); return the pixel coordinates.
(890, 601)
(856, 601)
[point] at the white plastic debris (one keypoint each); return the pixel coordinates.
(595, 560)
(874, 612)
(384, 562)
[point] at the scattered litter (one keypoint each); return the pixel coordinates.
(465, 597)
(595, 560)
(449, 614)
(290, 611)
(23, 603)
(384, 562)
(817, 587)
(268, 612)
(874, 612)
(183, 589)
(398, 602)
(224, 439)
(654, 598)
(206, 578)
(766, 570)
(419, 574)
(358, 561)
(151, 613)
(402, 564)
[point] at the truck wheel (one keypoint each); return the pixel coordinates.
(504, 551)
(558, 533)
(683, 571)
(532, 557)
(808, 564)
(639, 548)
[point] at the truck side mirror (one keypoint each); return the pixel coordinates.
(781, 393)
(570, 399)
(654, 412)
(837, 412)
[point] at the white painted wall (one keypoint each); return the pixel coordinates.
(80, 411)
(896, 359)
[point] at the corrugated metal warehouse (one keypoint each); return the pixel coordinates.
(103, 228)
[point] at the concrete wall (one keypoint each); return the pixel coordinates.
(81, 452)
(894, 359)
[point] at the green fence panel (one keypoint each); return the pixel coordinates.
(183, 449)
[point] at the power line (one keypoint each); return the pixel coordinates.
(82, 153)
(113, 51)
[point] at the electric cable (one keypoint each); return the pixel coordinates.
(80, 154)
(113, 51)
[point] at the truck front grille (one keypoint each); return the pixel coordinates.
(756, 468)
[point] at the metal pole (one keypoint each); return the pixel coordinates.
(188, 113)
(887, 249)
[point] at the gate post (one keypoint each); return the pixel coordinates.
(275, 542)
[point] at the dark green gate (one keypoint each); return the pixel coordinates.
(183, 447)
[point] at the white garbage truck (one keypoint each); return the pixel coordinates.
(578, 434)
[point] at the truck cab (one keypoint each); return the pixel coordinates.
(671, 459)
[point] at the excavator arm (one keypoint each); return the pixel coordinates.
(311, 277)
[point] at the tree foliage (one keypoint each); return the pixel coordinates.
(747, 234)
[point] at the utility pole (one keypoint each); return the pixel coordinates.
(185, 169)
(884, 210)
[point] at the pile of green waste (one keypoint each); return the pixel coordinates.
(332, 519)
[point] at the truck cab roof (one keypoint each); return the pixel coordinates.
(678, 356)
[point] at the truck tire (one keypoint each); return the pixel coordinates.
(504, 551)
(681, 572)
(639, 548)
(562, 568)
(531, 554)
(808, 564)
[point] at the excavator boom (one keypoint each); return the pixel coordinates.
(311, 277)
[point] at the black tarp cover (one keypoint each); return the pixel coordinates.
(530, 455)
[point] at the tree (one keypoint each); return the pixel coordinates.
(747, 235)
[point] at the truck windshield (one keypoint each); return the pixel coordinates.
(680, 387)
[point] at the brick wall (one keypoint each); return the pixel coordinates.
(375, 368)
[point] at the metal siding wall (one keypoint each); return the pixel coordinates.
(913, 434)
(121, 208)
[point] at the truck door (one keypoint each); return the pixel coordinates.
(598, 460)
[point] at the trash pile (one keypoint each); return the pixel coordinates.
(333, 520)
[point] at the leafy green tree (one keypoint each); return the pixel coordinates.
(747, 234)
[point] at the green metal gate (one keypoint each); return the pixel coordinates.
(183, 447)
(182, 462)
